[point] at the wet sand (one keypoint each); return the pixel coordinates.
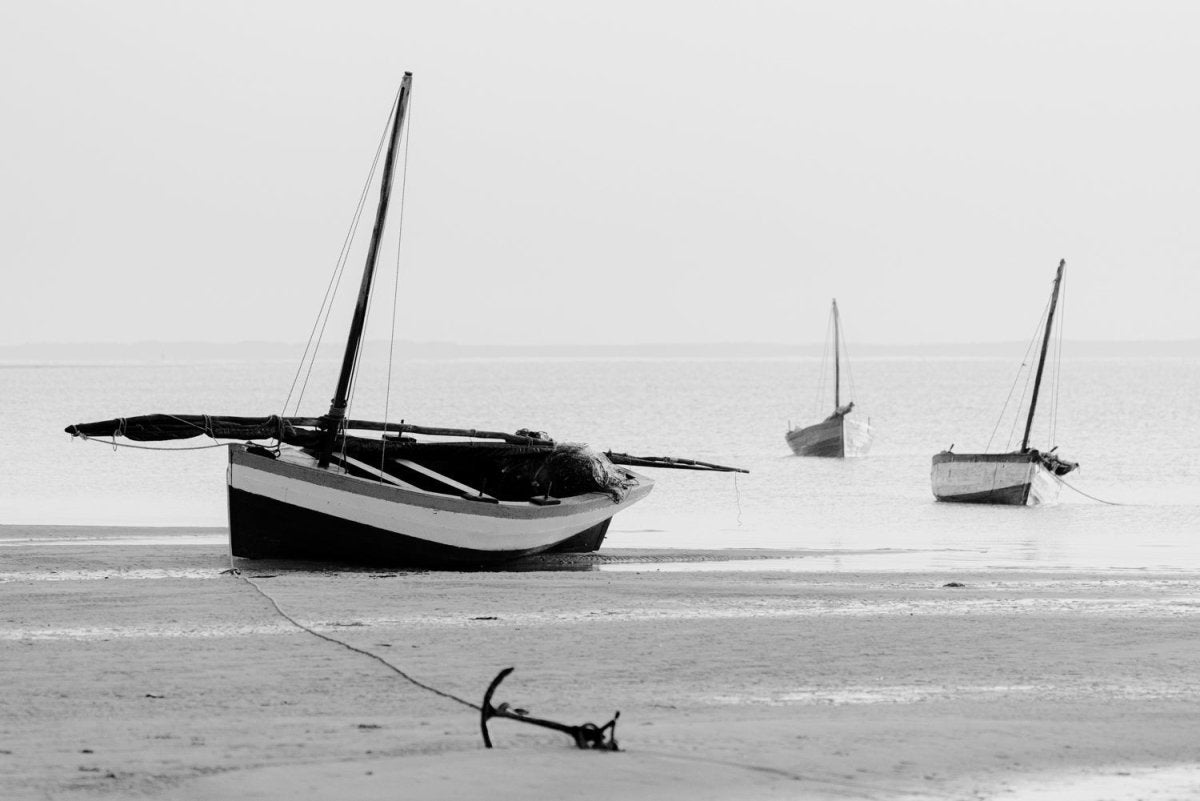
(136, 667)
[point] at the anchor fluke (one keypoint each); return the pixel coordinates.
(586, 735)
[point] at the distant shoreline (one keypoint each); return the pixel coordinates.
(155, 352)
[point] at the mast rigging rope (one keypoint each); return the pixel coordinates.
(819, 404)
(1016, 378)
(387, 397)
(1058, 365)
(849, 369)
(335, 279)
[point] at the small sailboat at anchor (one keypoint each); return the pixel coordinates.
(373, 492)
(1025, 477)
(839, 434)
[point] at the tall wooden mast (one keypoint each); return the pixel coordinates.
(837, 363)
(331, 423)
(1037, 381)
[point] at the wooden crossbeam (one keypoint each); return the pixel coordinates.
(449, 482)
(375, 471)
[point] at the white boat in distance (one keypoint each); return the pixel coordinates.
(316, 491)
(839, 434)
(1026, 477)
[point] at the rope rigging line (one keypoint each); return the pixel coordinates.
(849, 369)
(1012, 432)
(819, 404)
(205, 429)
(335, 280)
(387, 396)
(419, 684)
(354, 370)
(341, 270)
(1000, 419)
(1016, 378)
(737, 496)
(355, 366)
(1058, 366)
(113, 442)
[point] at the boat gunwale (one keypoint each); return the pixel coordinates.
(460, 504)
(1013, 456)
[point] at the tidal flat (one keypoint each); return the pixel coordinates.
(138, 666)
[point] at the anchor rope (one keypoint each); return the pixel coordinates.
(415, 682)
(1084, 494)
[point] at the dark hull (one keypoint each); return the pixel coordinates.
(823, 439)
(263, 528)
(288, 508)
(585, 541)
(1017, 495)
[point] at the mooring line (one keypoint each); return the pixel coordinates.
(448, 696)
(737, 495)
(1084, 494)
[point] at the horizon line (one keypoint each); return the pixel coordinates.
(579, 345)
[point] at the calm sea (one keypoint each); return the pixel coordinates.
(1129, 422)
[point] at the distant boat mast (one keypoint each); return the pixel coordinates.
(1037, 382)
(837, 363)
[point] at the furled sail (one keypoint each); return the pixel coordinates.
(157, 427)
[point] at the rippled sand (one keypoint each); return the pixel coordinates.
(138, 667)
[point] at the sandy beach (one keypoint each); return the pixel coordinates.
(136, 666)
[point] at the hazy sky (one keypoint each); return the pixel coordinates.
(604, 172)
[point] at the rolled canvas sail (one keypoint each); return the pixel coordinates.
(159, 427)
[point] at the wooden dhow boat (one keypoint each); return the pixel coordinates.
(332, 488)
(839, 434)
(1025, 477)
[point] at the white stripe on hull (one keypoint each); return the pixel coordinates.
(480, 526)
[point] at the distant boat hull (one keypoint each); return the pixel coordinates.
(282, 509)
(837, 437)
(1009, 479)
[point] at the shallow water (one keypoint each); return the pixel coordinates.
(1125, 420)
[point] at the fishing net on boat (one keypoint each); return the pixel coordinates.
(572, 466)
(504, 470)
